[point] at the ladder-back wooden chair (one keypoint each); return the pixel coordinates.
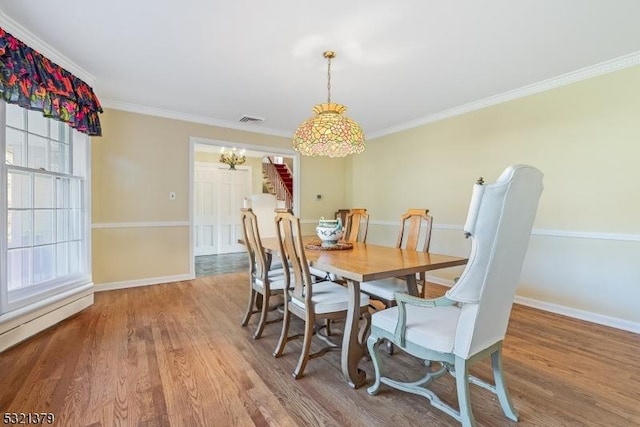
(414, 234)
(356, 225)
(311, 302)
(264, 280)
(468, 323)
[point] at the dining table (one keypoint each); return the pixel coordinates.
(362, 263)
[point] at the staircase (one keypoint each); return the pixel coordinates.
(278, 180)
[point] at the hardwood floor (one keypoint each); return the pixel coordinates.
(175, 355)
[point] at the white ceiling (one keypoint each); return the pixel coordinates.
(397, 61)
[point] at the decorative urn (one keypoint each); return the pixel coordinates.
(329, 231)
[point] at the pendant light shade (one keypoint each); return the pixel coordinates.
(329, 132)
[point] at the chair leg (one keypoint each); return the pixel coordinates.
(371, 345)
(501, 386)
(252, 302)
(306, 347)
(282, 342)
(464, 398)
(263, 316)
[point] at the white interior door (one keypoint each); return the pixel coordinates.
(218, 196)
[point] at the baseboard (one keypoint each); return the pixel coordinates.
(588, 316)
(37, 324)
(125, 284)
(600, 319)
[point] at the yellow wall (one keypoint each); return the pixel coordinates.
(135, 165)
(585, 137)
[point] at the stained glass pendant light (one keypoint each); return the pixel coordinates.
(329, 132)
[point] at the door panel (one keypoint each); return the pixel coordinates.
(218, 196)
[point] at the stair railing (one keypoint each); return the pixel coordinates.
(271, 172)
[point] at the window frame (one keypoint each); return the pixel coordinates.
(78, 145)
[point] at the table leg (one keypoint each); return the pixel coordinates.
(412, 285)
(352, 350)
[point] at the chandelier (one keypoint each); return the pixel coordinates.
(329, 132)
(232, 157)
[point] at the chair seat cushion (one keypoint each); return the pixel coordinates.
(384, 288)
(275, 273)
(276, 280)
(430, 327)
(330, 297)
(276, 264)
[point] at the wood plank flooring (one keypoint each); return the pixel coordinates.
(175, 355)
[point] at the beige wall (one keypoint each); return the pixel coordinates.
(135, 165)
(585, 137)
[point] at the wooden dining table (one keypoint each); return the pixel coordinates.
(363, 263)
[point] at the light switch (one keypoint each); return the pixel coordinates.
(172, 195)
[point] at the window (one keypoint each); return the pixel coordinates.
(45, 244)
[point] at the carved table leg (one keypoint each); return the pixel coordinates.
(352, 350)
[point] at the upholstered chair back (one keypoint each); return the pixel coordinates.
(499, 223)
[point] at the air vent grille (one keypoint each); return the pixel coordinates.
(250, 119)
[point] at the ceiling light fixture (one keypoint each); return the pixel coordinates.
(329, 132)
(232, 157)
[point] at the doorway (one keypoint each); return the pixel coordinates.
(216, 195)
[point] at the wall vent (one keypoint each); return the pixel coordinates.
(250, 119)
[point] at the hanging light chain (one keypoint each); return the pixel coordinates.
(329, 55)
(329, 81)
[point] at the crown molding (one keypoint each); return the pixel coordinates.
(565, 79)
(194, 118)
(38, 44)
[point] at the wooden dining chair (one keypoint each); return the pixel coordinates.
(311, 302)
(468, 324)
(414, 234)
(356, 225)
(264, 280)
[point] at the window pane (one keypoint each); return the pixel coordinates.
(15, 151)
(19, 190)
(75, 193)
(15, 116)
(37, 151)
(43, 229)
(62, 193)
(18, 268)
(62, 259)
(75, 224)
(57, 157)
(43, 263)
(56, 129)
(37, 123)
(75, 258)
(62, 217)
(18, 228)
(43, 189)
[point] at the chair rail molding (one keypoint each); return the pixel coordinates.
(148, 224)
(536, 231)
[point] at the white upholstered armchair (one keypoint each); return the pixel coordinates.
(468, 323)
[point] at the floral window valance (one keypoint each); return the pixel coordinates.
(29, 79)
